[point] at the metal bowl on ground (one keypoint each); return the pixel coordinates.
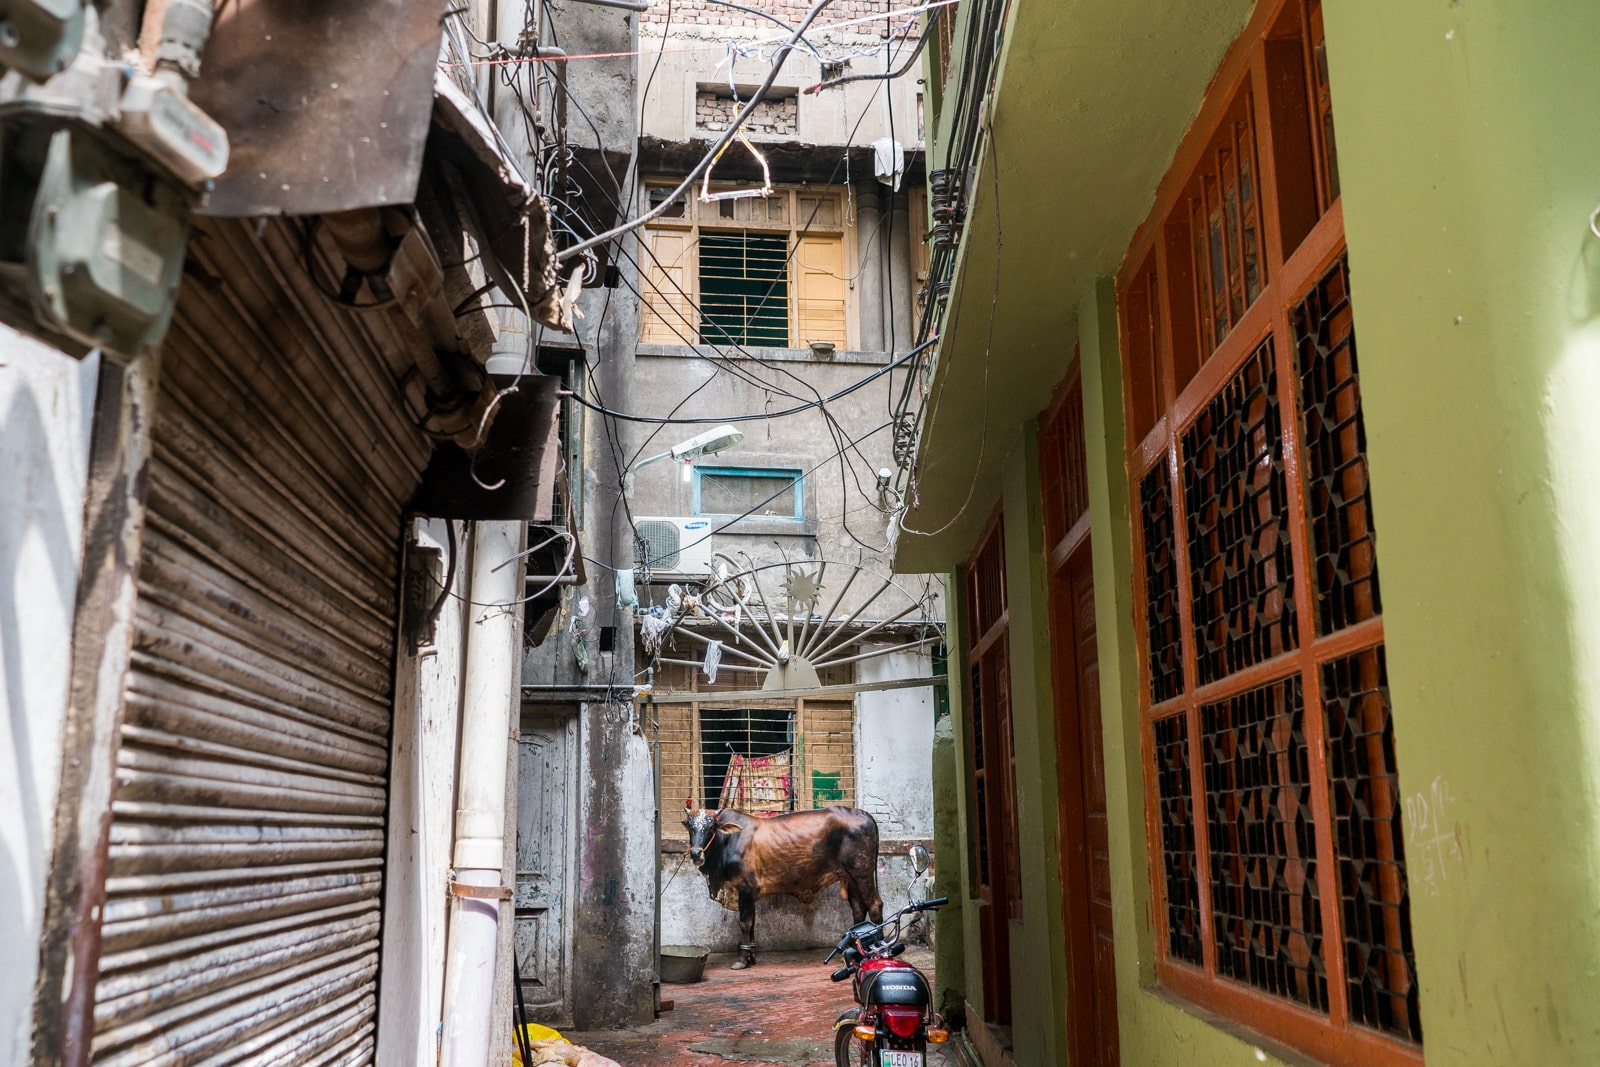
(683, 964)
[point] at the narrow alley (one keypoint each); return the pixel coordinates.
(778, 1013)
(501, 498)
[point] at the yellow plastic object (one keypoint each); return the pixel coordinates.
(533, 1032)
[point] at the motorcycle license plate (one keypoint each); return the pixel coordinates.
(892, 1058)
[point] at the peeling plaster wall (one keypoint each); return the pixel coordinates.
(698, 58)
(613, 918)
(422, 783)
(690, 917)
(839, 523)
(46, 409)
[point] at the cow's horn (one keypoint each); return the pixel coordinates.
(688, 804)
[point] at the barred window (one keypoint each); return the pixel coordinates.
(762, 756)
(757, 271)
(1279, 865)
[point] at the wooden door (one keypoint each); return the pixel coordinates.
(546, 795)
(1085, 855)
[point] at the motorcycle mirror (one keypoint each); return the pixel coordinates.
(919, 860)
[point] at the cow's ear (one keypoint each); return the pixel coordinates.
(728, 828)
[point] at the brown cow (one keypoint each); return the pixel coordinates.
(799, 853)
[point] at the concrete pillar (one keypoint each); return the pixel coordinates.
(902, 298)
(869, 268)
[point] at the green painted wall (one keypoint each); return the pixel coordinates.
(949, 952)
(958, 928)
(1470, 157)
(1038, 959)
(1470, 161)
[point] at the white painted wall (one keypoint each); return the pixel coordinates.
(894, 746)
(894, 781)
(421, 822)
(46, 410)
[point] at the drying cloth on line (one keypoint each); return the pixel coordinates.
(652, 628)
(713, 660)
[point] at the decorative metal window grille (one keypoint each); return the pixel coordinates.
(1368, 838)
(1240, 572)
(1282, 897)
(1338, 504)
(1178, 862)
(1264, 905)
(1163, 635)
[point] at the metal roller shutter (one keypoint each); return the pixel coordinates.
(241, 920)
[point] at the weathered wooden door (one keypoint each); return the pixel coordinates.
(546, 825)
(1085, 852)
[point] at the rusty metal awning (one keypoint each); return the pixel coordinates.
(337, 106)
(327, 105)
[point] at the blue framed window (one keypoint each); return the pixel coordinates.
(760, 492)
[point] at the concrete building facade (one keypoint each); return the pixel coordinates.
(786, 282)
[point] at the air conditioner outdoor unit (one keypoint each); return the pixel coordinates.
(677, 546)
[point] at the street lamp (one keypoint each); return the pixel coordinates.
(709, 443)
(717, 439)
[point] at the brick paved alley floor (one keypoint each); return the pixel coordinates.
(779, 1012)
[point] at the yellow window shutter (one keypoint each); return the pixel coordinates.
(668, 284)
(819, 290)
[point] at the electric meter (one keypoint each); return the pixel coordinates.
(173, 129)
(106, 244)
(40, 37)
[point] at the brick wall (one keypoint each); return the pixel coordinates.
(715, 111)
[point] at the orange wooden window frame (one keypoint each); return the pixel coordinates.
(1171, 373)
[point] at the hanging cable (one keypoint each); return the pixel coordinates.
(716, 149)
(758, 416)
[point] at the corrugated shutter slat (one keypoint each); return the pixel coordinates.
(245, 868)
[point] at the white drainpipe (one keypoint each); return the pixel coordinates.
(490, 697)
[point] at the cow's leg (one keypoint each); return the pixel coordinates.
(858, 903)
(864, 883)
(747, 929)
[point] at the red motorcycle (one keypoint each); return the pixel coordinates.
(894, 1021)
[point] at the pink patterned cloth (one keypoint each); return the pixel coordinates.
(758, 785)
